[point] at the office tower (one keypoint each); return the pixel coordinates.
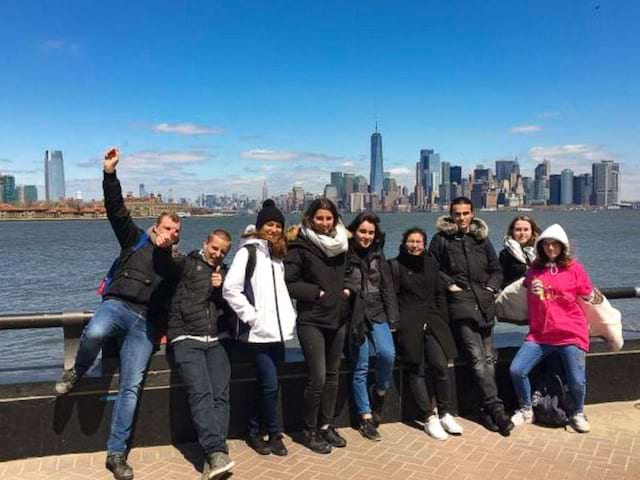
(555, 186)
(297, 199)
(455, 174)
(541, 182)
(582, 189)
(265, 191)
(445, 175)
(376, 175)
(331, 193)
(347, 187)
(566, 187)
(504, 169)
(8, 187)
(606, 186)
(53, 175)
(430, 170)
(337, 180)
(360, 184)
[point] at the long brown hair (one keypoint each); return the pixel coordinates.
(320, 204)
(562, 260)
(535, 229)
(278, 246)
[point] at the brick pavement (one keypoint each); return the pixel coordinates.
(610, 452)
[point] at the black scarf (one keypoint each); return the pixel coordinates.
(412, 262)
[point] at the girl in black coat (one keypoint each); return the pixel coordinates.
(375, 310)
(519, 248)
(424, 334)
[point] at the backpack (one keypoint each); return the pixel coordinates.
(241, 327)
(103, 288)
(551, 403)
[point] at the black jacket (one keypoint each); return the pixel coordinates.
(368, 277)
(197, 308)
(144, 277)
(512, 268)
(308, 270)
(422, 301)
(469, 261)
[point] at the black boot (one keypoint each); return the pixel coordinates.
(316, 442)
(117, 464)
(276, 445)
(503, 422)
(377, 405)
(333, 438)
(486, 420)
(256, 441)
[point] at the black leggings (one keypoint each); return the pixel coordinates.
(322, 349)
(431, 379)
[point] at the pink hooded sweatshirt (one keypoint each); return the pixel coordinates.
(557, 318)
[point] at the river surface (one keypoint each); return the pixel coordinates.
(52, 266)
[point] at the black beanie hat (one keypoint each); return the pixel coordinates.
(269, 213)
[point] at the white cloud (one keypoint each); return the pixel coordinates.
(5, 160)
(58, 45)
(571, 152)
(263, 154)
(397, 171)
(187, 129)
(549, 114)
(525, 129)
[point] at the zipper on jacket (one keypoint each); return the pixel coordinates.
(275, 294)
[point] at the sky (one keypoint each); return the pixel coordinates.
(218, 97)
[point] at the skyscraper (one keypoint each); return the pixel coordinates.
(376, 177)
(455, 174)
(337, 180)
(265, 191)
(8, 187)
(582, 189)
(430, 166)
(606, 187)
(53, 175)
(566, 187)
(555, 189)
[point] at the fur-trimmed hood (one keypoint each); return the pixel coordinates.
(478, 228)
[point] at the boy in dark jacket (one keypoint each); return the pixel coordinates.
(472, 274)
(132, 298)
(199, 319)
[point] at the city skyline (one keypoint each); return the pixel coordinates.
(248, 93)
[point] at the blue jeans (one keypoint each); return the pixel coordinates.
(530, 354)
(205, 370)
(134, 334)
(380, 339)
(266, 357)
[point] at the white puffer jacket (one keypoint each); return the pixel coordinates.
(273, 317)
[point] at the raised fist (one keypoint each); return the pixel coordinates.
(111, 159)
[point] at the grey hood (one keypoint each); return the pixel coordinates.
(478, 228)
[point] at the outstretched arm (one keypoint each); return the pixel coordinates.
(122, 224)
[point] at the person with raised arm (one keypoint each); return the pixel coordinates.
(132, 298)
(471, 271)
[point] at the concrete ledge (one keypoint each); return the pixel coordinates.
(35, 423)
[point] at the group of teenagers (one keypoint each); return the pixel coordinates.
(332, 286)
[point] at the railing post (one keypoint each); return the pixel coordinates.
(72, 333)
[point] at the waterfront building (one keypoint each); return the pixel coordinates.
(337, 180)
(376, 176)
(606, 177)
(54, 175)
(297, 200)
(8, 187)
(481, 174)
(541, 183)
(331, 193)
(582, 189)
(566, 187)
(430, 173)
(360, 184)
(504, 169)
(358, 202)
(555, 185)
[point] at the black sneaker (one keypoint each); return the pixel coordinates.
(216, 464)
(486, 420)
(67, 382)
(368, 430)
(117, 464)
(377, 405)
(277, 446)
(332, 437)
(503, 422)
(315, 442)
(257, 442)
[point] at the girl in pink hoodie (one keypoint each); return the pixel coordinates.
(556, 323)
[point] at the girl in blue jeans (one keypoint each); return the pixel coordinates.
(374, 310)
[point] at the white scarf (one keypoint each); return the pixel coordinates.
(524, 255)
(332, 244)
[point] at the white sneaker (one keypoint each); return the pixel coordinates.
(522, 416)
(450, 425)
(433, 428)
(580, 423)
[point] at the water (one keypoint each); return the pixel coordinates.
(56, 266)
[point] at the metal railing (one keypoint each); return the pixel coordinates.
(72, 322)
